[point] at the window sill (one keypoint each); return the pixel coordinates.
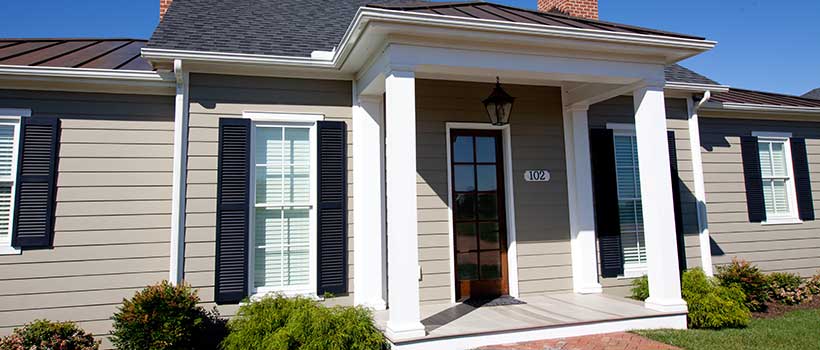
(782, 221)
(288, 294)
(10, 251)
(634, 272)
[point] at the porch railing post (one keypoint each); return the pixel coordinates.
(402, 223)
(656, 195)
(579, 186)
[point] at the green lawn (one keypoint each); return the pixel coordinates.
(795, 330)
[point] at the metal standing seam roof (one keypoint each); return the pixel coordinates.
(296, 28)
(498, 12)
(763, 98)
(119, 54)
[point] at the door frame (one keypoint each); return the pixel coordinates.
(512, 253)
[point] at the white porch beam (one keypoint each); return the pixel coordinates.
(368, 199)
(402, 228)
(180, 176)
(579, 188)
(589, 94)
(656, 195)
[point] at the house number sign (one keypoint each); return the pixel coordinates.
(537, 176)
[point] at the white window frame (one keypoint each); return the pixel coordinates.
(793, 216)
(262, 119)
(9, 116)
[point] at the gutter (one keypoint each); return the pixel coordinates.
(695, 87)
(180, 167)
(760, 108)
(86, 73)
(367, 14)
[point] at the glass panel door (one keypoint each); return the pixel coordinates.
(478, 214)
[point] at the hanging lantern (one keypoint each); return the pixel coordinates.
(499, 105)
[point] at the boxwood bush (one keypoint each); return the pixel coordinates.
(47, 335)
(165, 316)
(749, 278)
(711, 305)
(280, 323)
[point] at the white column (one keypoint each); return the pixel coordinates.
(656, 195)
(368, 202)
(700, 189)
(579, 188)
(402, 226)
(180, 176)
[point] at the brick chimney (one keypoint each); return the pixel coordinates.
(163, 7)
(578, 8)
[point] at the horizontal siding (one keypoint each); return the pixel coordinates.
(790, 248)
(113, 210)
(542, 224)
(216, 96)
(621, 110)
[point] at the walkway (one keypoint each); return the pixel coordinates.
(612, 341)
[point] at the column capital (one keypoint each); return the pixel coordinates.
(578, 108)
(369, 99)
(400, 70)
(651, 85)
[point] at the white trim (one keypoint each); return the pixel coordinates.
(6, 247)
(624, 129)
(135, 75)
(283, 117)
(699, 182)
(791, 191)
(512, 249)
(309, 290)
(179, 176)
(695, 87)
(669, 321)
(762, 108)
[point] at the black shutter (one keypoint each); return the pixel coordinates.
(36, 186)
(754, 180)
(232, 210)
(605, 189)
(802, 179)
(676, 198)
(332, 207)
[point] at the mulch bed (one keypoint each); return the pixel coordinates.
(777, 310)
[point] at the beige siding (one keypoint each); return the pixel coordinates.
(541, 215)
(791, 248)
(113, 210)
(620, 110)
(218, 96)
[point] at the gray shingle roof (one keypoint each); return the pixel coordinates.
(814, 94)
(298, 27)
(680, 74)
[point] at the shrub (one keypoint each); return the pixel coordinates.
(749, 278)
(813, 285)
(711, 305)
(787, 288)
(47, 335)
(640, 288)
(275, 323)
(164, 316)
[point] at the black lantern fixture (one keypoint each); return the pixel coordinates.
(499, 105)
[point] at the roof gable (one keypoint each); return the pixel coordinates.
(814, 94)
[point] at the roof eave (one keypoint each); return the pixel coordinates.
(695, 87)
(88, 80)
(760, 108)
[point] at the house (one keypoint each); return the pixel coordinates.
(341, 150)
(815, 94)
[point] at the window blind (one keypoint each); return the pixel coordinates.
(630, 212)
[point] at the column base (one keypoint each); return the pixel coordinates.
(666, 305)
(405, 330)
(590, 289)
(378, 305)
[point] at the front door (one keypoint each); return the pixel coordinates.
(479, 215)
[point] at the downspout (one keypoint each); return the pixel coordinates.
(180, 166)
(700, 189)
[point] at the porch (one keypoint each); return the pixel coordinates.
(463, 326)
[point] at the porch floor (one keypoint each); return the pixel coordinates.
(537, 312)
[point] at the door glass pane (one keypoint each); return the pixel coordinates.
(463, 149)
(489, 235)
(467, 266)
(464, 178)
(485, 149)
(486, 178)
(465, 206)
(465, 233)
(487, 207)
(490, 265)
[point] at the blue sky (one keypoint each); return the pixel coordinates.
(763, 44)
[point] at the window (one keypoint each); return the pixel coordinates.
(283, 233)
(9, 131)
(776, 172)
(630, 212)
